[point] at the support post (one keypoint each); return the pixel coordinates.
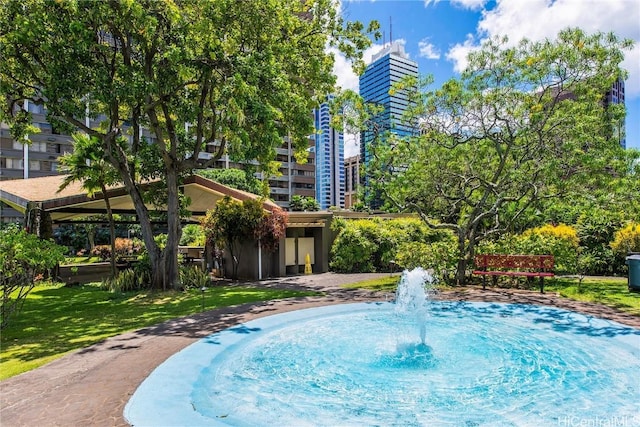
(259, 260)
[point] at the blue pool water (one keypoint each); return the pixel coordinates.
(481, 364)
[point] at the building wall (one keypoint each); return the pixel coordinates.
(39, 156)
(295, 178)
(352, 180)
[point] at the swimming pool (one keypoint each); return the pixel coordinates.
(481, 364)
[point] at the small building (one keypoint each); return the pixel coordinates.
(308, 233)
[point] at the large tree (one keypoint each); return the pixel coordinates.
(224, 76)
(522, 125)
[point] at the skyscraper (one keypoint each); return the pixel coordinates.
(387, 67)
(329, 149)
(615, 95)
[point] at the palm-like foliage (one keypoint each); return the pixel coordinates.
(88, 165)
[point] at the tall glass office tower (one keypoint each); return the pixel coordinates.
(615, 95)
(329, 148)
(388, 66)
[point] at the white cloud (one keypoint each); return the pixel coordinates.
(428, 50)
(631, 63)
(346, 78)
(342, 69)
(351, 144)
(458, 53)
(539, 19)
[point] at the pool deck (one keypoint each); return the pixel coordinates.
(90, 387)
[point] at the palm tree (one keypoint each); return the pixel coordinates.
(88, 164)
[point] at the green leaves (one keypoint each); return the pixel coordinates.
(174, 80)
(522, 125)
(232, 223)
(23, 258)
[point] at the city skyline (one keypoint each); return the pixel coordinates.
(439, 34)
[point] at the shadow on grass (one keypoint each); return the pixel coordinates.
(610, 292)
(56, 319)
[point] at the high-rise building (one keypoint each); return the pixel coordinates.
(387, 67)
(615, 95)
(39, 156)
(294, 178)
(329, 149)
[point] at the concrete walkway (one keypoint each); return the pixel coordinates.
(91, 386)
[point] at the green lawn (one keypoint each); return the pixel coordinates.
(382, 284)
(612, 292)
(57, 319)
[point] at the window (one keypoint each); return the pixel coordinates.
(45, 128)
(17, 145)
(36, 109)
(15, 164)
(40, 147)
(34, 165)
(54, 166)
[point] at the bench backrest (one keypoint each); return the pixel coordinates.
(530, 262)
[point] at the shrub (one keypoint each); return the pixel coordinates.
(125, 281)
(441, 257)
(366, 245)
(627, 239)
(595, 230)
(124, 247)
(562, 232)
(24, 258)
(142, 268)
(561, 241)
(192, 235)
(193, 277)
(352, 252)
(597, 261)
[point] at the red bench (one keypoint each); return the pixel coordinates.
(514, 265)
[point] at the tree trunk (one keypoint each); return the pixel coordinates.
(155, 260)
(91, 237)
(170, 253)
(462, 259)
(112, 230)
(234, 260)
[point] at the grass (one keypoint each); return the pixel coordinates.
(56, 319)
(609, 291)
(71, 260)
(381, 284)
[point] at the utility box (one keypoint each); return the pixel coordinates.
(633, 261)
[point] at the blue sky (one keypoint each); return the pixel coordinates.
(438, 35)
